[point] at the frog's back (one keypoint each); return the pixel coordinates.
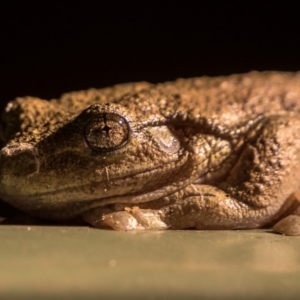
(79, 100)
(225, 100)
(242, 96)
(228, 98)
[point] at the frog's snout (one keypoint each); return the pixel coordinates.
(19, 160)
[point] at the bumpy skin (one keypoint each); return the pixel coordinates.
(208, 153)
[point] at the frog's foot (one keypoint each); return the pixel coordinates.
(289, 225)
(129, 219)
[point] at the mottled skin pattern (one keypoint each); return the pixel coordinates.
(205, 153)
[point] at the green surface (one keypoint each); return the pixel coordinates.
(83, 263)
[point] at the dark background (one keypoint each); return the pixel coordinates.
(51, 48)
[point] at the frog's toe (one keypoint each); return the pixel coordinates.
(148, 218)
(134, 219)
(289, 225)
(103, 217)
(122, 220)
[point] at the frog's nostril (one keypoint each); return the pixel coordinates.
(19, 160)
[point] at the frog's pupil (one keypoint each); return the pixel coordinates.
(106, 129)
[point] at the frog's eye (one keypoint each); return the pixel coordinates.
(108, 132)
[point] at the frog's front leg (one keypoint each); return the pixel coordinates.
(195, 206)
(253, 194)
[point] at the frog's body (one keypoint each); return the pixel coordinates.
(206, 152)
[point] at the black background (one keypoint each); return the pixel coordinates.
(51, 48)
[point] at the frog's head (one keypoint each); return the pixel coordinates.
(107, 153)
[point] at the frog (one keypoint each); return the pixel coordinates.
(204, 153)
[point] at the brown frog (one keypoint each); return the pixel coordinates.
(204, 153)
